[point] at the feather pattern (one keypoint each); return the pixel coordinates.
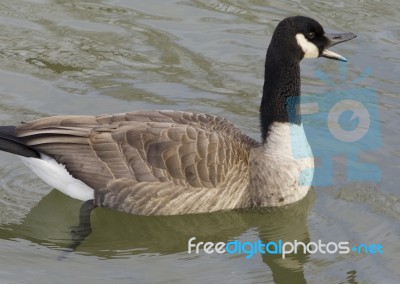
(140, 162)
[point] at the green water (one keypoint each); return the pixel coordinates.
(94, 57)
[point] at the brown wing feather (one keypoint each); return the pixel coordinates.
(187, 149)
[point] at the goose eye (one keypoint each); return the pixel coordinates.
(311, 35)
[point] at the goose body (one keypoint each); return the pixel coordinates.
(172, 162)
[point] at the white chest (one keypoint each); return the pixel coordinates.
(288, 140)
(283, 168)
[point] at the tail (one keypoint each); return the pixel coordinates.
(10, 143)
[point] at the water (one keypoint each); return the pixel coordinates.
(93, 57)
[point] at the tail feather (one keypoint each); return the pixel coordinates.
(12, 144)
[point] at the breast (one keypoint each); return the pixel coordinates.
(282, 169)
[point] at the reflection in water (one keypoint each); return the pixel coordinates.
(117, 234)
(84, 228)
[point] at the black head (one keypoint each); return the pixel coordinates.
(301, 37)
(294, 38)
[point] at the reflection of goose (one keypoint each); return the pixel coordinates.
(117, 235)
(170, 162)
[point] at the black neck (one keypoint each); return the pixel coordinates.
(281, 92)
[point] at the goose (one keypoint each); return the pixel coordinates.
(166, 162)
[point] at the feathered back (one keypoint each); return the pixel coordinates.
(185, 148)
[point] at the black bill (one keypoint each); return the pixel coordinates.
(335, 38)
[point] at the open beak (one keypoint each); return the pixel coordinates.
(335, 38)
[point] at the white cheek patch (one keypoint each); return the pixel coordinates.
(310, 50)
